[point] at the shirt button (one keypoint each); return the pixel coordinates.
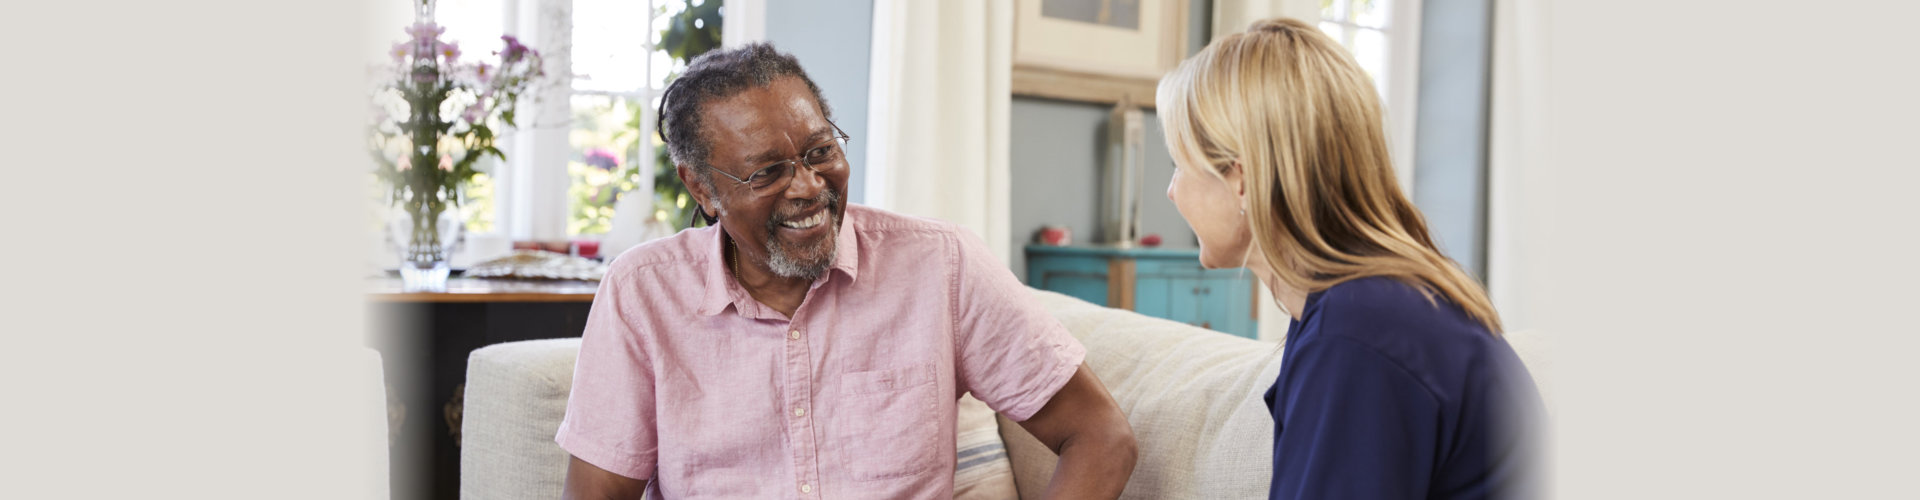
(796, 335)
(799, 412)
(804, 488)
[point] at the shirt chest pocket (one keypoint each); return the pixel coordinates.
(886, 426)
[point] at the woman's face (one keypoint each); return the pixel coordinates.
(1211, 206)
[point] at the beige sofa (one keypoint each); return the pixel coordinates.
(1192, 395)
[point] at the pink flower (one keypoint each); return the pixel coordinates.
(446, 162)
(425, 31)
(602, 158)
(403, 163)
(474, 113)
(483, 73)
(449, 51)
(514, 51)
(401, 51)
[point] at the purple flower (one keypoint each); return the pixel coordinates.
(474, 113)
(449, 51)
(425, 31)
(401, 51)
(514, 51)
(602, 158)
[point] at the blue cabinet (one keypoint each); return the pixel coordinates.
(1164, 283)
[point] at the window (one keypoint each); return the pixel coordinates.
(617, 71)
(1384, 37)
(1361, 26)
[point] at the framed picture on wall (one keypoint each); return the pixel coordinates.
(1100, 51)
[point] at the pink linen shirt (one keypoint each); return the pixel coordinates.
(684, 379)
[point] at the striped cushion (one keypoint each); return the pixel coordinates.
(981, 471)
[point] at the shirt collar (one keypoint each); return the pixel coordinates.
(720, 286)
(722, 290)
(846, 250)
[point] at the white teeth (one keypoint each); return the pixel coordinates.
(815, 220)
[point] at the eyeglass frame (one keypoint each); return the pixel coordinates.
(797, 161)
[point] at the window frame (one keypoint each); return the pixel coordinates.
(526, 202)
(1400, 99)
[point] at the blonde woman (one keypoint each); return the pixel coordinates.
(1395, 382)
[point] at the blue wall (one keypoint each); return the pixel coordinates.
(1450, 138)
(833, 40)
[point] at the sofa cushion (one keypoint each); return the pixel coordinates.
(982, 471)
(1193, 397)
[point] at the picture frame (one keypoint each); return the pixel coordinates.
(1099, 51)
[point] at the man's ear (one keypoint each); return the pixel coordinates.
(701, 194)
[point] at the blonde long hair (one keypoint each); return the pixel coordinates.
(1303, 121)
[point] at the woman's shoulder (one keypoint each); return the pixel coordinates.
(1399, 320)
(1377, 299)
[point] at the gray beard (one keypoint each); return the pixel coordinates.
(792, 263)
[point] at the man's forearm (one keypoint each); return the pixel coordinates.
(1094, 466)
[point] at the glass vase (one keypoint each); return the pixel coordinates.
(424, 243)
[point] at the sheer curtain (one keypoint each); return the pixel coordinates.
(939, 95)
(1517, 172)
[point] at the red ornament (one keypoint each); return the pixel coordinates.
(1056, 235)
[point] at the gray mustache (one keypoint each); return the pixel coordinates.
(828, 198)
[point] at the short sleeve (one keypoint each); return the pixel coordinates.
(1010, 353)
(1351, 423)
(610, 419)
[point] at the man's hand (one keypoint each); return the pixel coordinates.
(588, 482)
(1085, 427)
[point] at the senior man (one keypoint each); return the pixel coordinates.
(802, 347)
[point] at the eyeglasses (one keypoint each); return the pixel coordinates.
(823, 157)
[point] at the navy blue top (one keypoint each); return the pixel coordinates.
(1383, 394)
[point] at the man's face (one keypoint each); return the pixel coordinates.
(778, 228)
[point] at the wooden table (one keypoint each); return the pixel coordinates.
(489, 290)
(424, 340)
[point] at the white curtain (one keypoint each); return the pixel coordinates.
(937, 113)
(1517, 172)
(532, 188)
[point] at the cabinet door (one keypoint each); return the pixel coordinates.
(1185, 302)
(1228, 304)
(1083, 278)
(1153, 295)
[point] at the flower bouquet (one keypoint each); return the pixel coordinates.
(435, 115)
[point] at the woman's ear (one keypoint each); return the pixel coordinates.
(1237, 181)
(1236, 178)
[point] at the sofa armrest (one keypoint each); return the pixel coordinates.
(516, 396)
